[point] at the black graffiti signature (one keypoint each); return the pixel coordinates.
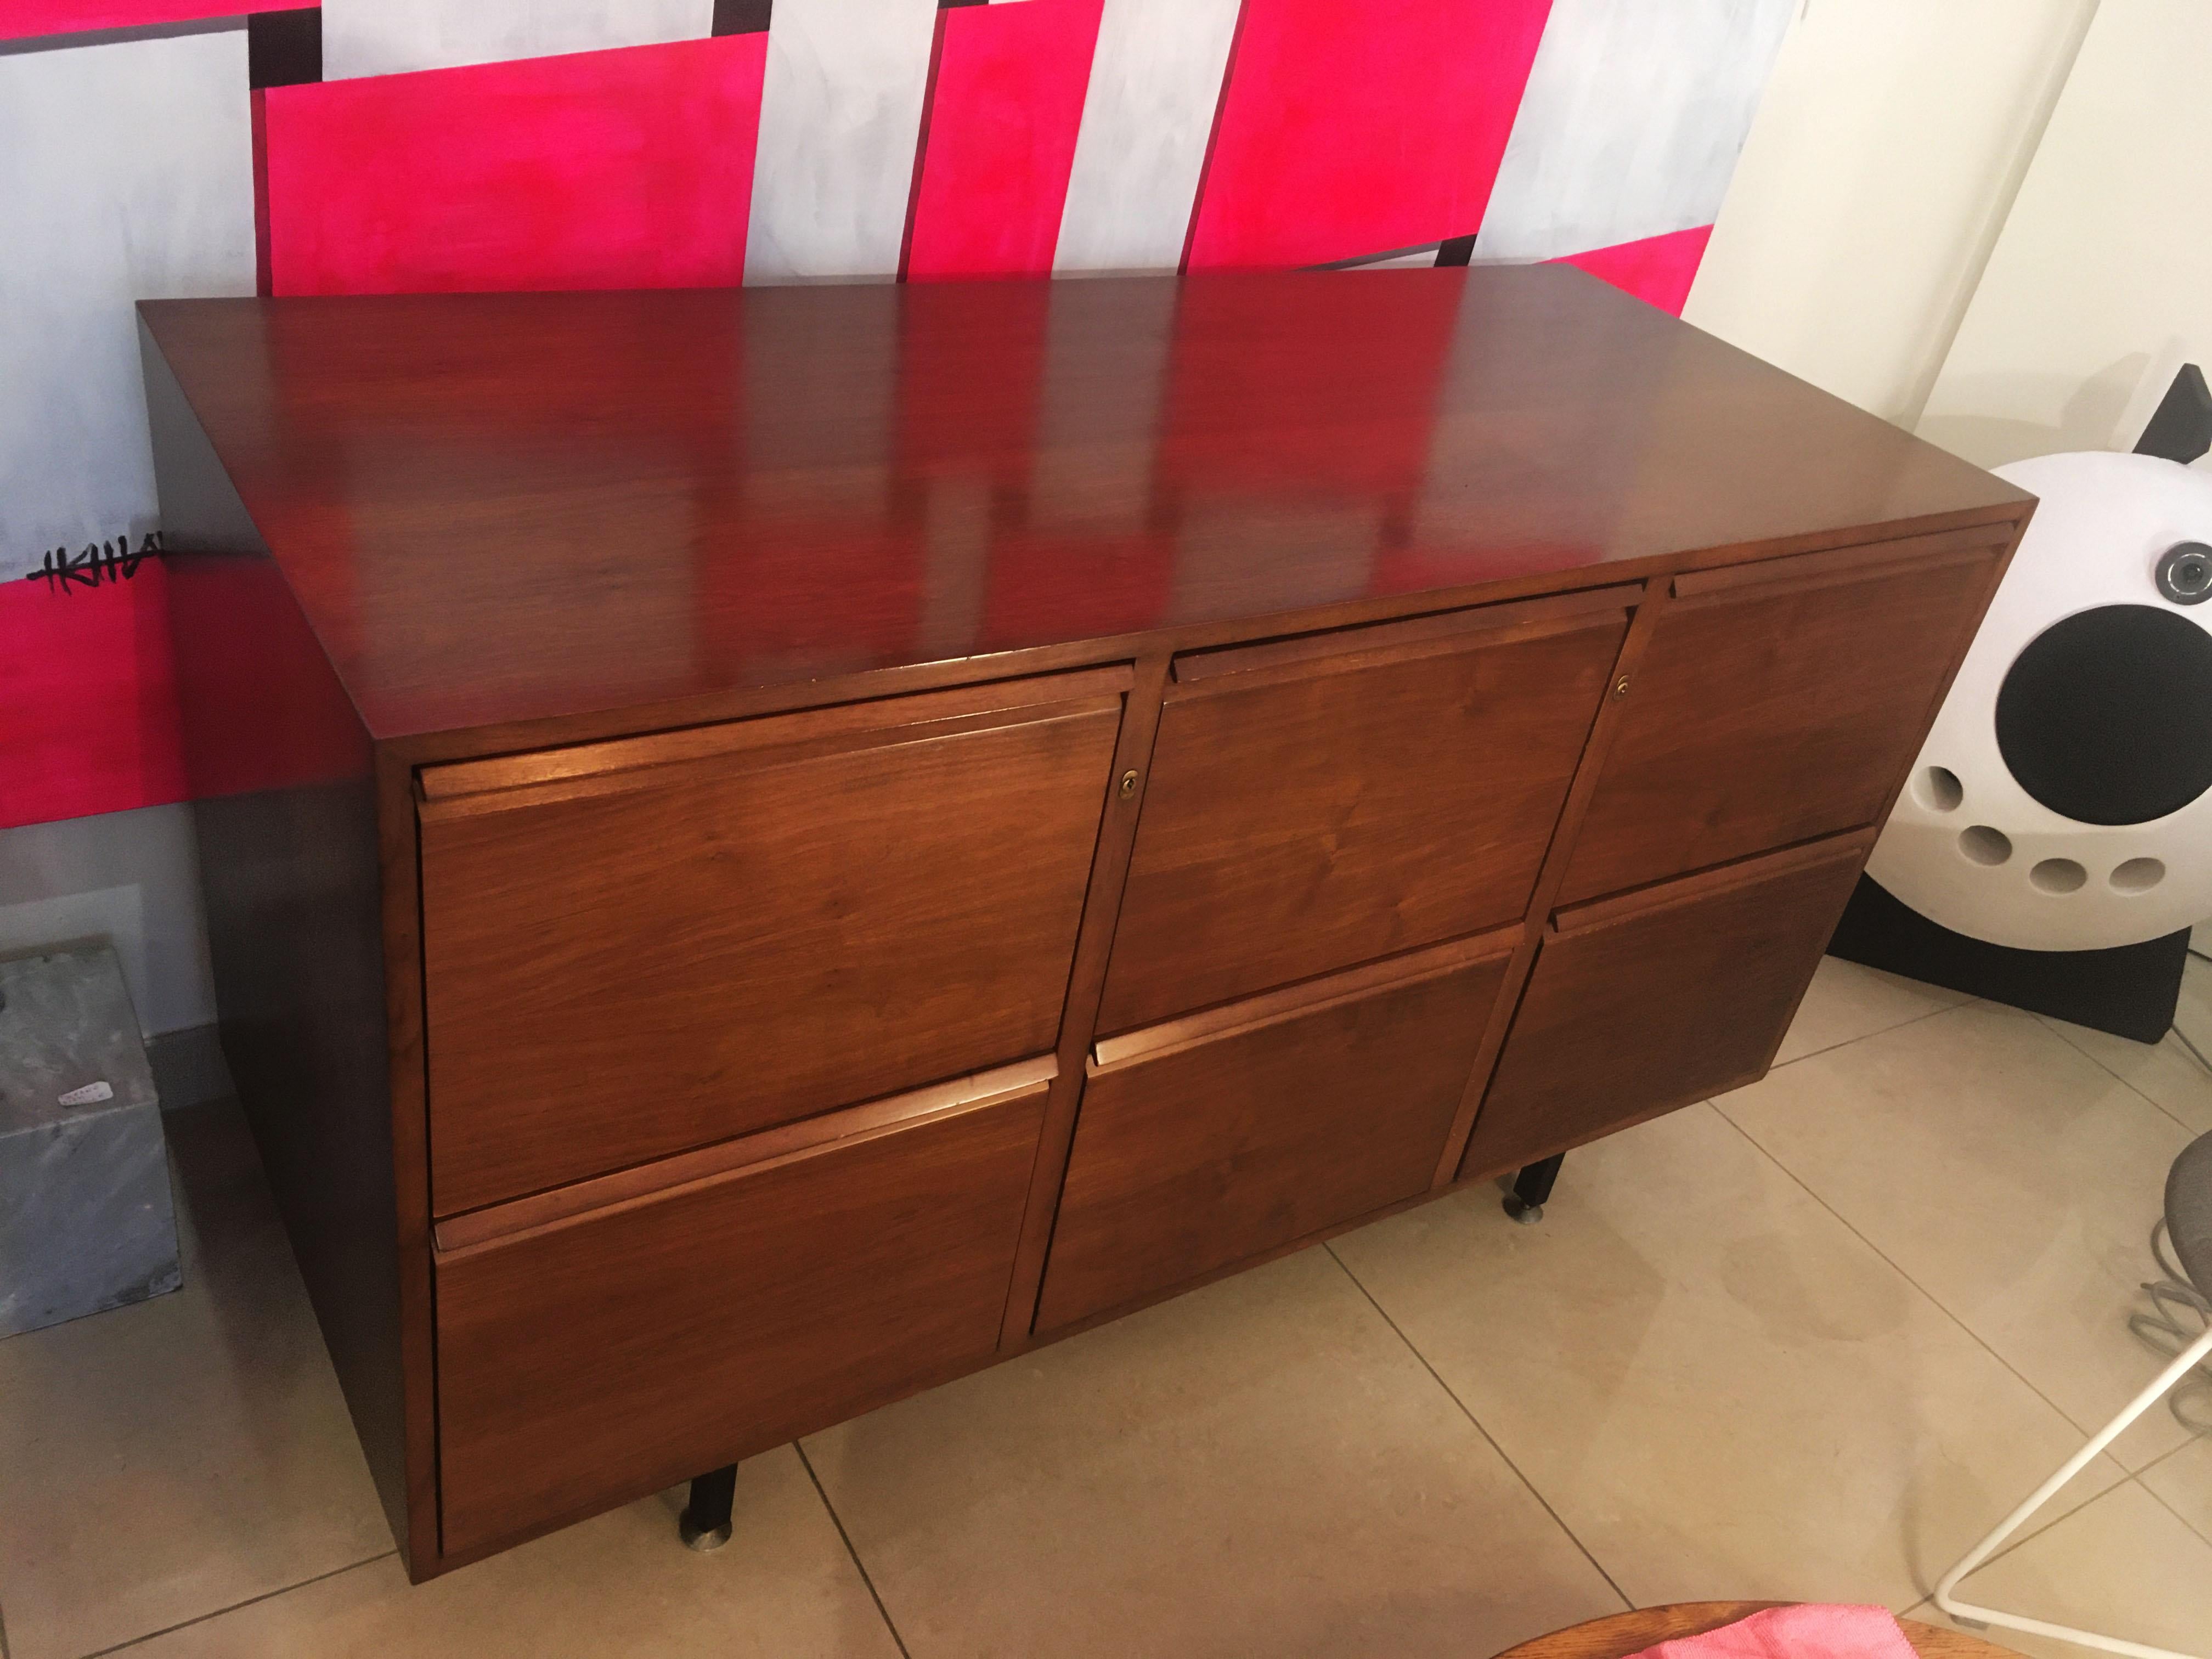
(105, 562)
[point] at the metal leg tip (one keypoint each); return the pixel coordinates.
(1526, 1213)
(712, 1538)
(705, 1523)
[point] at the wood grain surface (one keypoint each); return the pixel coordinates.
(1659, 998)
(626, 1349)
(1307, 816)
(1195, 1149)
(1769, 713)
(721, 945)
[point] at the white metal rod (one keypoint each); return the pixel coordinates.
(2186, 1362)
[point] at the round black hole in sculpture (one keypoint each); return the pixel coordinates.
(2106, 717)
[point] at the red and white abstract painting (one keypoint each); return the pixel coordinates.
(167, 147)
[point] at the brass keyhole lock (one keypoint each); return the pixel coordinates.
(1620, 686)
(1128, 785)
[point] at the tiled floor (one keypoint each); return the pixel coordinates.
(1807, 1340)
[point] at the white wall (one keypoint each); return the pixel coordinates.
(2101, 283)
(131, 879)
(1874, 182)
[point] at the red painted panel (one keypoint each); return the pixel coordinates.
(628, 169)
(88, 699)
(238, 739)
(1658, 269)
(21, 19)
(1355, 128)
(1007, 92)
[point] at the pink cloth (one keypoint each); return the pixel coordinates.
(1814, 1630)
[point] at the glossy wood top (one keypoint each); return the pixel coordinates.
(511, 508)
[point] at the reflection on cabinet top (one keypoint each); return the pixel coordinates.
(524, 511)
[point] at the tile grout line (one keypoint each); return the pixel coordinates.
(2125, 1083)
(217, 1613)
(2156, 1497)
(2126, 1473)
(1814, 1053)
(859, 1565)
(1453, 1396)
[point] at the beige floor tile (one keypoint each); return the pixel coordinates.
(2167, 1072)
(2007, 1174)
(1718, 1388)
(1847, 1001)
(1260, 1467)
(160, 1461)
(2183, 1478)
(2120, 1566)
(620, 1584)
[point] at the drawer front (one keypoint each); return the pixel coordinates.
(642, 958)
(1204, 1142)
(583, 1363)
(1771, 712)
(1305, 815)
(1642, 1003)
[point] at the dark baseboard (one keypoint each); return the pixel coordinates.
(2130, 991)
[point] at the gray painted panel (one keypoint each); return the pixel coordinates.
(841, 111)
(1155, 83)
(389, 37)
(129, 176)
(1633, 116)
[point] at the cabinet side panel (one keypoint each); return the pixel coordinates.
(284, 800)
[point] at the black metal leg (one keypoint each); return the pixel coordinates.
(1532, 1187)
(706, 1522)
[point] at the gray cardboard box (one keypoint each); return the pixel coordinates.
(86, 1218)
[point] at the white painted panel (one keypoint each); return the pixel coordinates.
(1155, 83)
(129, 880)
(1418, 258)
(1631, 122)
(2096, 290)
(389, 37)
(126, 172)
(841, 111)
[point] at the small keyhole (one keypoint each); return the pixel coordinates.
(1128, 785)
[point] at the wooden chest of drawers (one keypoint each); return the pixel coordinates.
(764, 851)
